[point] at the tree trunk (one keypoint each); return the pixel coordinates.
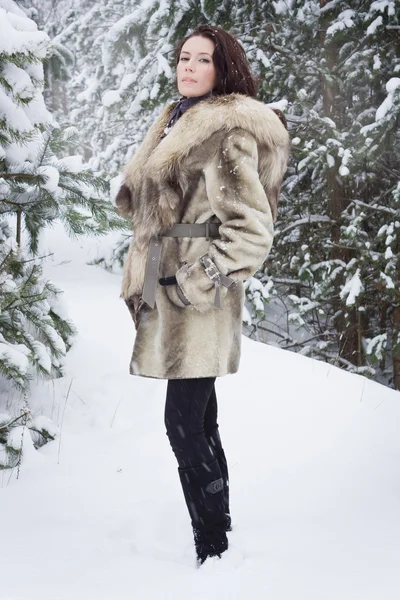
(347, 327)
(19, 226)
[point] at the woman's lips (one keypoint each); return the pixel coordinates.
(188, 81)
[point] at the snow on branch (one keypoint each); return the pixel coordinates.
(378, 208)
(306, 221)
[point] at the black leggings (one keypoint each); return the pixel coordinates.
(191, 421)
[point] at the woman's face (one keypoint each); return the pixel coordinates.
(195, 71)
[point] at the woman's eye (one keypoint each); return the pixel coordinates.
(184, 58)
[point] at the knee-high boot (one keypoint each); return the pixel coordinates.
(214, 440)
(203, 488)
(225, 476)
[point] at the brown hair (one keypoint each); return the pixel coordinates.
(231, 65)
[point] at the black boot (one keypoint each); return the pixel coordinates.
(203, 488)
(225, 476)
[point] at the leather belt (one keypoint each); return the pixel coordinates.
(206, 230)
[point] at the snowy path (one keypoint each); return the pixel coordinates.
(313, 453)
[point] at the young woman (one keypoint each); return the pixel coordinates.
(201, 193)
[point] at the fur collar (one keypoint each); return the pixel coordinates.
(150, 173)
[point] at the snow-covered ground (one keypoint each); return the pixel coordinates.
(314, 457)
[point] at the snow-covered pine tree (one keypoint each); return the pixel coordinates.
(334, 61)
(35, 189)
(25, 299)
(32, 332)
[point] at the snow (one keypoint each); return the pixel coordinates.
(155, 91)
(313, 454)
(279, 104)
(127, 80)
(343, 171)
(19, 34)
(263, 58)
(19, 80)
(52, 177)
(120, 30)
(4, 418)
(344, 21)
(115, 184)
(352, 288)
(44, 423)
(163, 66)
(391, 87)
(388, 281)
(374, 25)
(111, 97)
(281, 7)
(13, 115)
(42, 355)
(330, 160)
(74, 163)
(377, 62)
(10, 6)
(381, 6)
(15, 356)
(37, 112)
(143, 94)
(377, 345)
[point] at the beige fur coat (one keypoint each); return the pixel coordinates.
(222, 162)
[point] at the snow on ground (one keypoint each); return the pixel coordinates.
(98, 514)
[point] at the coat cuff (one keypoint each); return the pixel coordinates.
(176, 295)
(182, 296)
(203, 289)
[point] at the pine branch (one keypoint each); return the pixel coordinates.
(17, 175)
(23, 262)
(306, 221)
(329, 6)
(390, 211)
(315, 337)
(5, 259)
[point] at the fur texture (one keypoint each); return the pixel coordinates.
(223, 162)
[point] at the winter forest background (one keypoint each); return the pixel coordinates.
(80, 83)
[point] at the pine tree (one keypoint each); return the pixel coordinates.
(339, 198)
(32, 333)
(36, 188)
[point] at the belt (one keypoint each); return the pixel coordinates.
(207, 230)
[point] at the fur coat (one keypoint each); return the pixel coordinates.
(222, 162)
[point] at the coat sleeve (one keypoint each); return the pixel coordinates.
(238, 199)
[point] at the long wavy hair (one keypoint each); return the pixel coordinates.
(231, 65)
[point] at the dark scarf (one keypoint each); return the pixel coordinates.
(182, 106)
